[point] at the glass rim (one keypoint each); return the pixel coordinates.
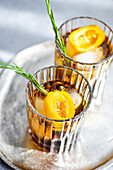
(83, 63)
(64, 120)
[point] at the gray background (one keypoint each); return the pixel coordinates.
(24, 23)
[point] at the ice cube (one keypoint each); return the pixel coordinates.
(39, 105)
(91, 56)
(77, 98)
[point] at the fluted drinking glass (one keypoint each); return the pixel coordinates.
(56, 135)
(95, 73)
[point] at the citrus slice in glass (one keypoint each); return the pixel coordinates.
(59, 105)
(87, 38)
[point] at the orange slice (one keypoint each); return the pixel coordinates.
(87, 38)
(59, 105)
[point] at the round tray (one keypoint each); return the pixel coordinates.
(94, 147)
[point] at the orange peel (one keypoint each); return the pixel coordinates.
(87, 38)
(59, 105)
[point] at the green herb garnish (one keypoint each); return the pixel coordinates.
(60, 40)
(28, 76)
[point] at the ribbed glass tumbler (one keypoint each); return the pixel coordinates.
(57, 135)
(94, 72)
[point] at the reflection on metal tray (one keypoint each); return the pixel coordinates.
(94, 147)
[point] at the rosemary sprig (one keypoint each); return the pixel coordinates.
(60, 40)
(28, 76)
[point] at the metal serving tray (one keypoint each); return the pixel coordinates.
(94, 147)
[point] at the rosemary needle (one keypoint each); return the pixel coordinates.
(60, 40)
(28, 76)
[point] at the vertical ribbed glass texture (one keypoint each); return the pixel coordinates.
(56, 135)
(95, 73)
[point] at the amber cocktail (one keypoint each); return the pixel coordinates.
(50, 132)
(89, 49)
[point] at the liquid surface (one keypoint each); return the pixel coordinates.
(52, 86)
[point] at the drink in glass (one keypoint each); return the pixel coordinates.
(89, 49)
(51, 133)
